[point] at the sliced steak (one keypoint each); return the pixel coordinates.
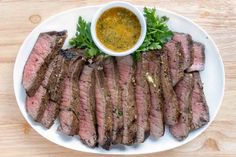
(50, 114)
(183, 91)
(103, 110)
(68, 117)
(37, 104)
(45, 49)
(198, 57)
(156, 118)
(186, 44)
(87, 121)
(142, 96)
(112, 77)
(175, 60)
(126, 80)
(171, 107)
(200, 109)
(70, 104)
(55, 83)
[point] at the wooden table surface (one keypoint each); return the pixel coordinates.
(19, 18)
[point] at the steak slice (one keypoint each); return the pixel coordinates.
(70, 103)
(103, 110)
(35, 105)
(68, 117)
(200, 109)
(54, 88)
(112, 77)
(156, 118)
(45, 49)
(126, 79)
(175, 60)
(186, 44)
(87, 121)
(55, 83)
(142, 96)
(171, 107)
(50, 114)
(198, 57)
(183, 91)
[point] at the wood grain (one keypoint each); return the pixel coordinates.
(17, 20)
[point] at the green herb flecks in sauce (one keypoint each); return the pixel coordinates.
(118, 29)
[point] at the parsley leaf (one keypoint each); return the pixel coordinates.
(157, 34)
(83, 39)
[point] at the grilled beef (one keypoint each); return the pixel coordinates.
(126, 80)
(112, 77)
(198, 57)
(55, 85)
(70, 104)
(142, 96)
(200, 111)
(156, 118)
(69, 115)
(67, 65)
(37, 104)
(54, 88)
(45, 49)
(87, 120)
(175, 60)
(183, 91)
(103, 110)
(171, 107)
(186, 44)
(114, 100)
(50, 114)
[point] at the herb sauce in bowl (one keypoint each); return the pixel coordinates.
(118, 29)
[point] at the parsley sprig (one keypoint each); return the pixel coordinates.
(83, 39)
(157, 34)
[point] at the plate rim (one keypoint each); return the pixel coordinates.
(17, 61)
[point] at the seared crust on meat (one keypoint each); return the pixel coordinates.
(103, 110)
(45, 49)
(87, 121)
(198, 57)
(156, 119)
(183, 91)
(186, 44)
(171, 107)
(70, 103)
(200, 110)
(112, 76)
(126, 77)
(175, 60)
(142, 96)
